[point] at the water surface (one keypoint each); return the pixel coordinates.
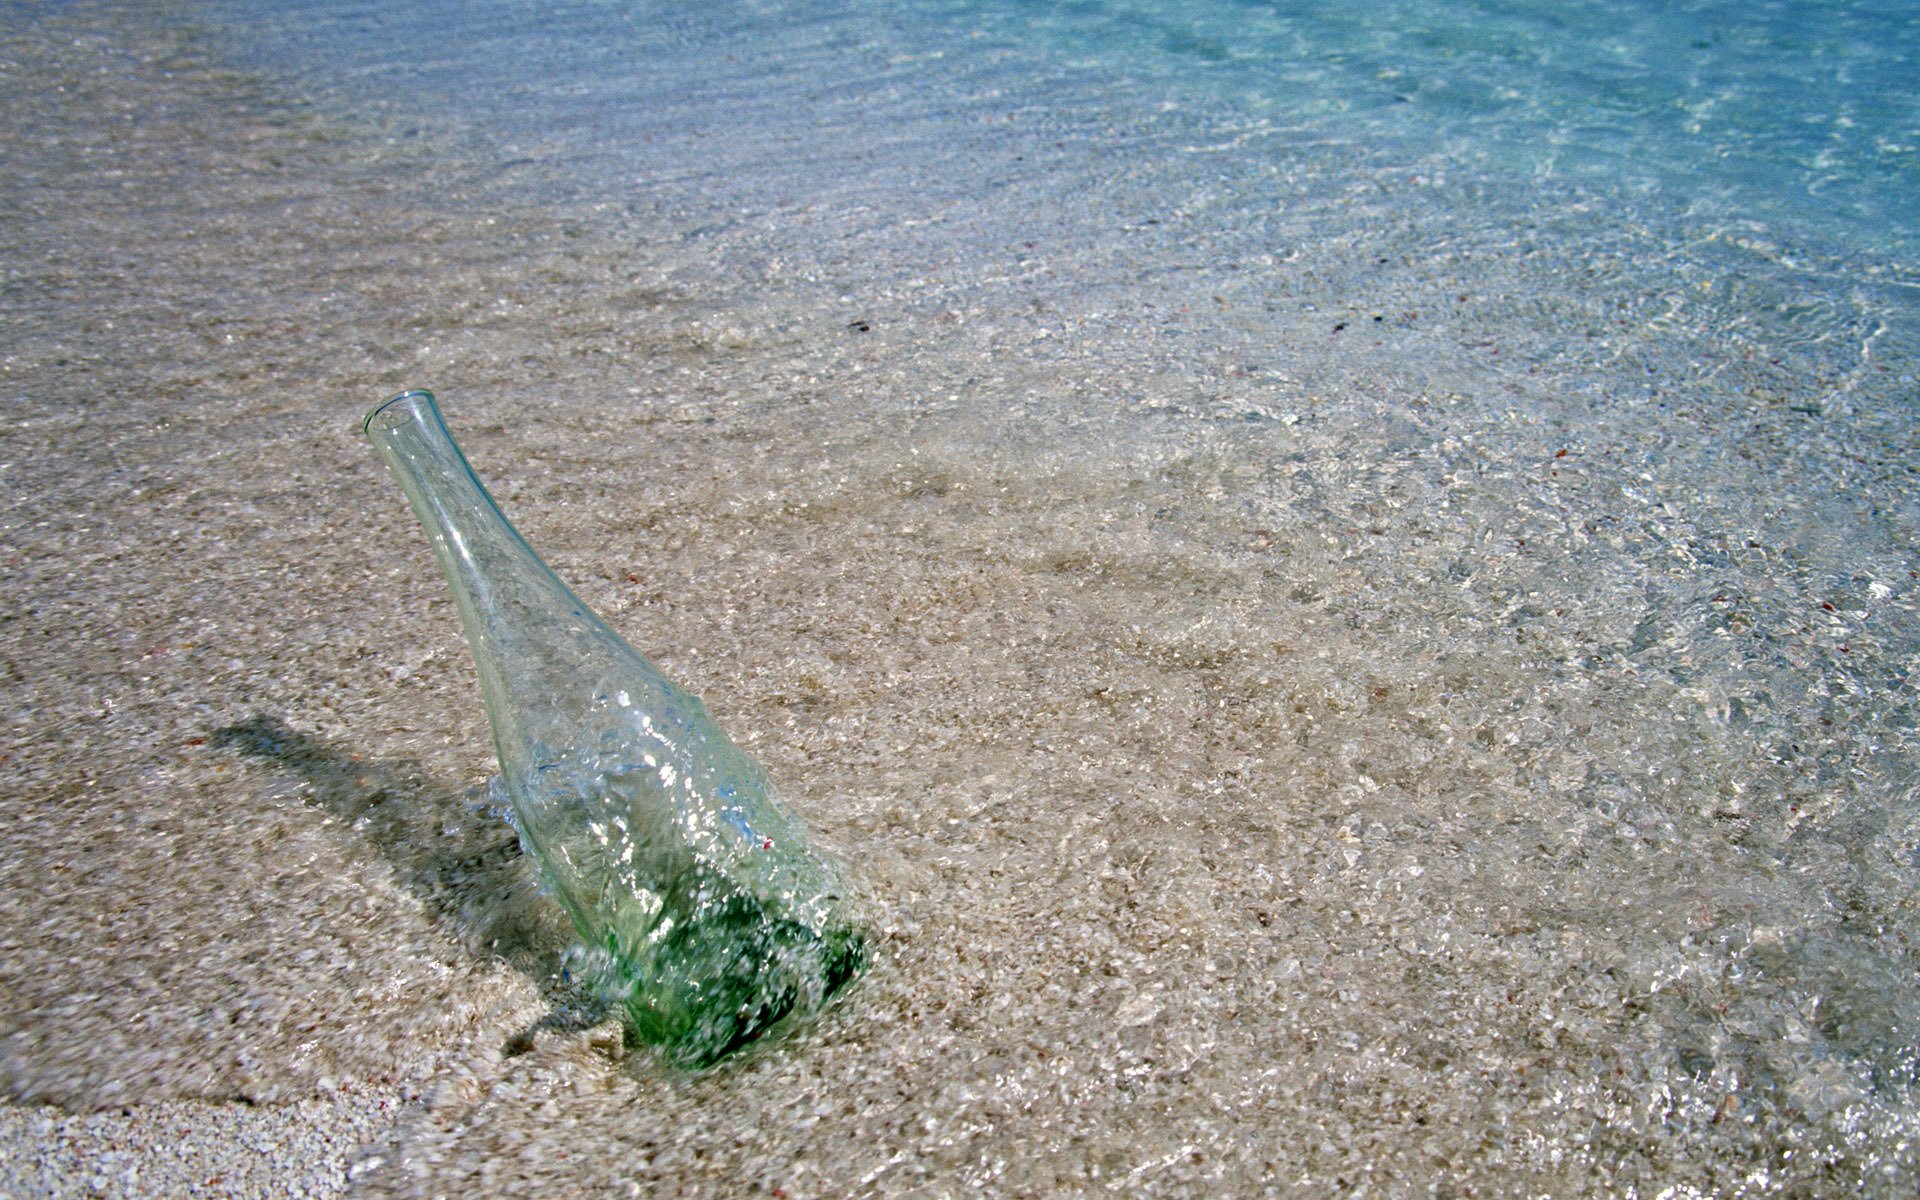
(1346, 575)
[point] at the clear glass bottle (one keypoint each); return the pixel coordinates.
(665, 843)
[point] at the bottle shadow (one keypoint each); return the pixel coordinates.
(450, 849)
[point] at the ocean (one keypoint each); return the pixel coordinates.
(1346, 575)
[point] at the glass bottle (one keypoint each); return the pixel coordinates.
(664, 842)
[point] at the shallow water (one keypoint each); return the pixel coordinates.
(1348, 578)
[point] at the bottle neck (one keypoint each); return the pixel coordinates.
(525, 627)
(478, 549)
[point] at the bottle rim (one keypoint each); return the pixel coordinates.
(366, 424)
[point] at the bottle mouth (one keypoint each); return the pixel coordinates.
(395, 411)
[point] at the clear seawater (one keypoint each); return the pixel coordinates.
(1747, 171)
(1417, 503)
(1797, 119)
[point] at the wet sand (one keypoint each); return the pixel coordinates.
(1380, 766)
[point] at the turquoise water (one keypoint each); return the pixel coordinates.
(1797, 113)
(1734, 168)
(1799, 117)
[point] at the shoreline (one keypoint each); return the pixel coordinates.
(311, 1147)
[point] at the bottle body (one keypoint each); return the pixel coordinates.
(666, 844)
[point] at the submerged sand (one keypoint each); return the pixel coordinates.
(1467, 751)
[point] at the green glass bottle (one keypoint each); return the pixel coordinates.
(664, 842)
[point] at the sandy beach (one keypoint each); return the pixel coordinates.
(1426, 713)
